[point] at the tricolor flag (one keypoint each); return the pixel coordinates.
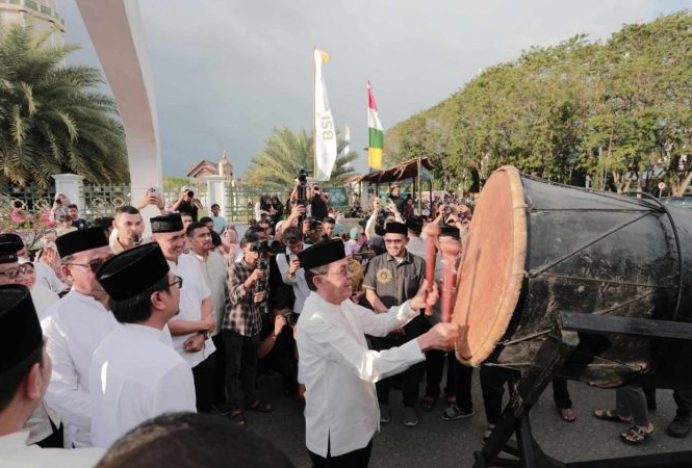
(375, 134)
(325, 132)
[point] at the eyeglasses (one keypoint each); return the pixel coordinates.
(178, 281)
(93, 265)
(393, 241)
(12, 274)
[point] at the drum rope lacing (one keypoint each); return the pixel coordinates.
(598, 312)
(538, 271)
(652, 201)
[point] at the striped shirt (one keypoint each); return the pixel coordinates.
(242, 314)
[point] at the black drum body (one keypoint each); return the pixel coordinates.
(600, 253)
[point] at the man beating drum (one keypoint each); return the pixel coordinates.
(336, 367)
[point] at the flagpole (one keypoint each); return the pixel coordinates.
(314, 116)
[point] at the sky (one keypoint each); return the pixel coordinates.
(227, 72)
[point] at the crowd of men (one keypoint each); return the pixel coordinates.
(134, 328)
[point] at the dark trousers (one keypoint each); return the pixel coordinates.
(493, 381)
(683, 398)
(286, 366)
(203, 374)
(561, 394)
(241, 368)
(434, 368)
(411, 376)
(55, 440)
(220, 371)
(463, 376)
(356, 459)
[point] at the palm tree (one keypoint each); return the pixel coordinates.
(286, 152)
(52, 117)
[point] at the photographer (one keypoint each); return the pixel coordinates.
(289, 267)
(319, 203)
(188, 204)
(241, 329)
(277, 348)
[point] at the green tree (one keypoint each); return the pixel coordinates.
(287, 152)
(619, 112)
(52, 118)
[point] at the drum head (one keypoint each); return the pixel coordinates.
(493, 265)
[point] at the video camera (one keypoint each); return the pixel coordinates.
(267, 246)
(302, 198)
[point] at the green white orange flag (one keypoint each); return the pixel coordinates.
(375, 134)
(325, 132)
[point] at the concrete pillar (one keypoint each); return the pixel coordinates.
(72, 186)
(115, 28)
(216, 192)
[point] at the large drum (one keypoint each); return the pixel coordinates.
(537, 248)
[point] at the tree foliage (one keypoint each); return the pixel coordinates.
(619, 112)
(287, 152)
(52, 118)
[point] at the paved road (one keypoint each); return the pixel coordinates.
(440, 444)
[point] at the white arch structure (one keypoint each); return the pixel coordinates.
(115, 29)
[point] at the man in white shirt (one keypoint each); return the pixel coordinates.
(219, 221)
(135, 373)
(213, 269)
(128, 229)
(290, 269)
(74, 326)
(416, 245)
(192, 327)
(338, 370)
(25, 369)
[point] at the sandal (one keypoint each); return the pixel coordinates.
(238, 418)
(427, 403)
(260, 406)
(567, 414)
(636, 435)
(610, 415)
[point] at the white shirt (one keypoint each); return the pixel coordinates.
(339, 372)
(193, 292)
(74, 327)
(136, 375)
(14, 453)
(300, 286)
(417, 246)
(43, 299)
(213, 270)
(45, 276)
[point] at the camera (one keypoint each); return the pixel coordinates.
(302, 176)
(266, 246)
(447, 210)
(190, 193)
(291, 318)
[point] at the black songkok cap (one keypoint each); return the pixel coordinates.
(20, 331)
(394, 227)
(133, 271)
(10, 244)
(415, 224)
(171, 222)
(449, 231)
(81, 240)
(322, 253)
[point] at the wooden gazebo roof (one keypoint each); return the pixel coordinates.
(404, 171)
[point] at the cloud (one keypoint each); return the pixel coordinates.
(227, 72)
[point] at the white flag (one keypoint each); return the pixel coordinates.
(325, 132)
